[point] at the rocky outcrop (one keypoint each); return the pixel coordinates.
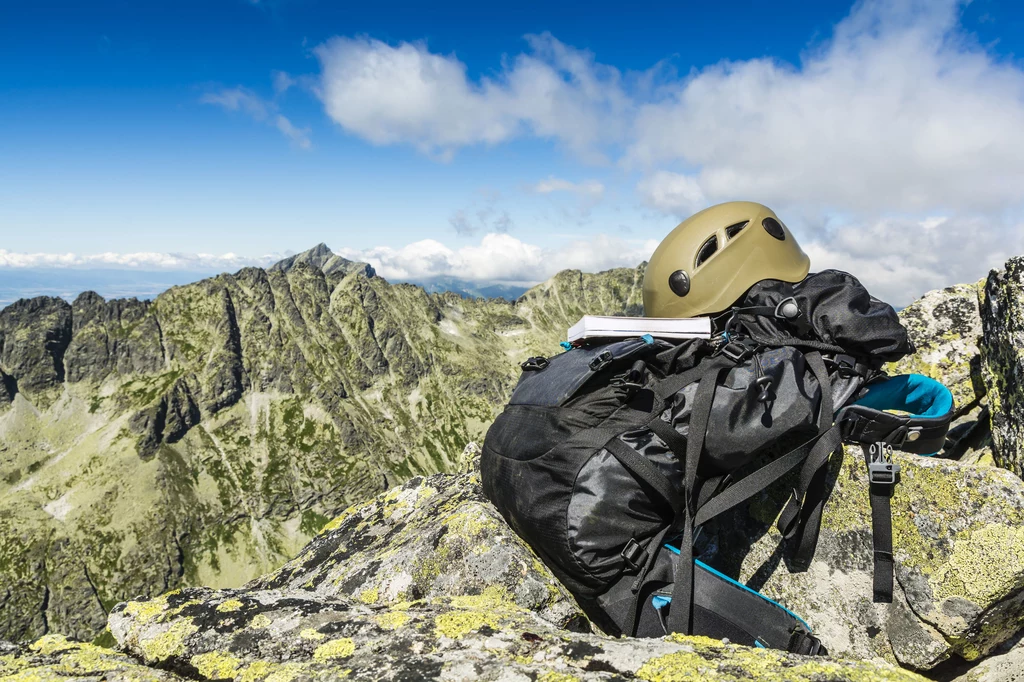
(368, 600)
(1006, 667)
(55, 658)
(1003, 361)
(34, 335)
(958, 541)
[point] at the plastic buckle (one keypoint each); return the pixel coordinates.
(602, 360)
(804, 643)
(534, 364)
(846, 365)
(634, 555)
(737, 352)
(881, 469)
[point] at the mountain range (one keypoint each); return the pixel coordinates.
(202, 437)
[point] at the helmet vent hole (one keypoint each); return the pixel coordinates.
(706, 250)
(774, 228)
(734, 230)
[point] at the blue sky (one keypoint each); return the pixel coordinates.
(502, 143)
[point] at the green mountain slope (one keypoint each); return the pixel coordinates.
(203, 437)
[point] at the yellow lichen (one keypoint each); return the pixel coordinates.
(369, 596)
(312, 634)
(229, 605)
(145, 611)
(984, 566)
(267, 671)
(48, 644)
(260, 621)
(170, 642)
(392, 620)
(456, 624)
(554, 676)
(336, 648)
(216, 665)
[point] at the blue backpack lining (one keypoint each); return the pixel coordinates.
(917, 394)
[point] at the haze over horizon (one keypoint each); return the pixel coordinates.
(497, 145)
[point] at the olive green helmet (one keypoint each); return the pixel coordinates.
(710, 260)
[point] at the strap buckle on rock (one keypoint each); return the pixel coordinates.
(634, 555)
(534, 364)
(881, 469)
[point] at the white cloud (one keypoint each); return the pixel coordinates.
(134, 261)
(406, 94)
(900, 259)
(501, 258)
(672, 193)
(899, 111)
(259, 109)
(587, 188)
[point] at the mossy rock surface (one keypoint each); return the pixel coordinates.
(958, 542)
(55, 659)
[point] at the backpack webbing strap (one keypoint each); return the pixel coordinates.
(800, 520)
(881, 540)
(642, 468)
(752, 484)
(680, 619)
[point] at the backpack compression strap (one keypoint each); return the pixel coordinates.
(923, 431)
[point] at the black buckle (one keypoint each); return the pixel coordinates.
(634, 555)
(534, 364)
(737, 352)
(845, 365)
(804, 643)
(602, 360)
(881, 469)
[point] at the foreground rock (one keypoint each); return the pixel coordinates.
(427, 538)
(425, 582)
(1008, 667)
(1002, 352)
(958, 536)
(295, 634)
(55, 658)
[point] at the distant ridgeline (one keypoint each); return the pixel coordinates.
(204, 436)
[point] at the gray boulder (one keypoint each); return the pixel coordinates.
(958, 541)
(53, 658)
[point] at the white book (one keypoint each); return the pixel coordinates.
(601, 327)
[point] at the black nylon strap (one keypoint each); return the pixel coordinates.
(881, 540)
(667, 387)
(680, 617)
(752, 484)
(642, 468)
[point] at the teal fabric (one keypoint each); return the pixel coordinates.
(914, 393)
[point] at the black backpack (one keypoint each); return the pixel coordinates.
(608, 458)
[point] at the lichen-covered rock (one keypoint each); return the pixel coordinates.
(958, 540)
(1006, 667)
(55, 659)
(430, 537)
(945, 326)
(1002, 314)
(251, 635)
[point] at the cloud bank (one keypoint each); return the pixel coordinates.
(134, 261)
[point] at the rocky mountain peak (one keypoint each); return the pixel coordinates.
(322, 258)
